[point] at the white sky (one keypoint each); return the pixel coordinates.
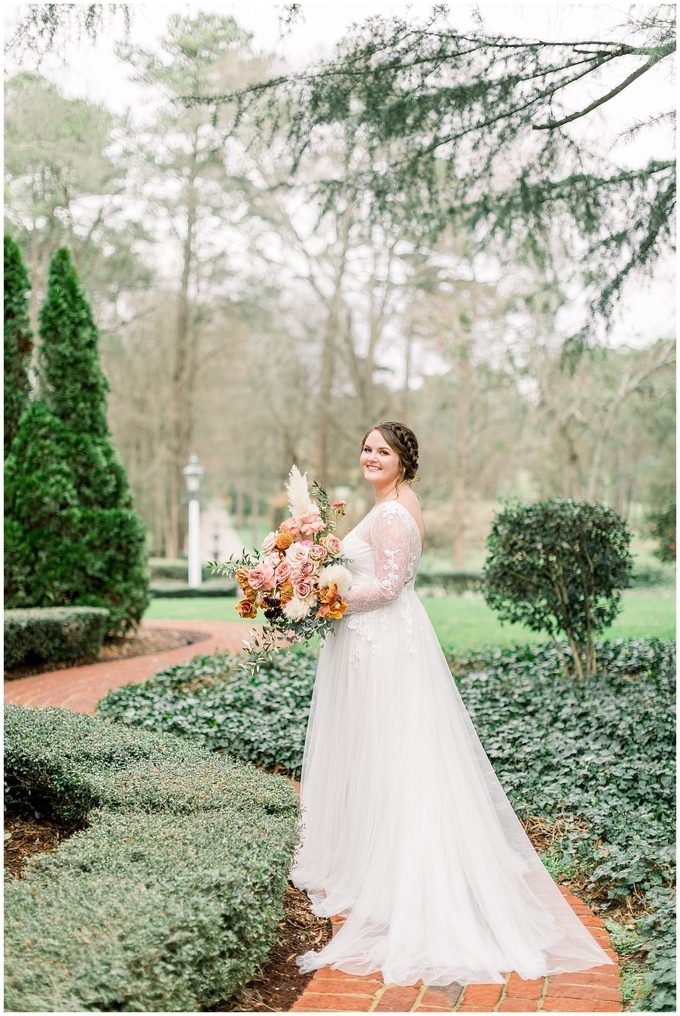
(94, 72)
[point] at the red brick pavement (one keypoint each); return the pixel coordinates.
(595, 990)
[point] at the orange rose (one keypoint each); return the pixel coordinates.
(285, 592)
(284, 540)
(246, 608)
(332, 604)
(249, 593)
(241, 576)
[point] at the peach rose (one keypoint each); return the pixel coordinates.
(269, 542)
(332, 544)
(318, 552)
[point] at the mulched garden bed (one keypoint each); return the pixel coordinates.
(139, 644)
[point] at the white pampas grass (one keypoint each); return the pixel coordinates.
(299, 500)
(296, 609)
(335, 573)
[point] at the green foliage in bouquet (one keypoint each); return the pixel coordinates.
(559, 566)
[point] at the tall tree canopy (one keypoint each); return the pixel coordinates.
(472, 129)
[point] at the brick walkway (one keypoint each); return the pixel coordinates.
(596, 990)
(80, 688)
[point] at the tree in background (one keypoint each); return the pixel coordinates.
(192, 192)
(42, 26)
(467, 129)
(44, 555)
(18, 339)
(64, 186)
(113, 571)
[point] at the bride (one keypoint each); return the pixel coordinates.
(405, 829)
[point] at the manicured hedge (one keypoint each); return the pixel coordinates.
(170, 899)
(53, 633)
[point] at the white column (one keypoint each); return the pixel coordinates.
(194, 543)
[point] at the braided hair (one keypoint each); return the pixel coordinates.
(403, 441)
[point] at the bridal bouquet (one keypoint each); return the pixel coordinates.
(298, 576)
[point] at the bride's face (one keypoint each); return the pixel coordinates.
(380, 463)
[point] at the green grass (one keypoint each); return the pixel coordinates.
(461, 621)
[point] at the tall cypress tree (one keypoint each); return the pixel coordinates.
(113, 537)
(18, 339)
(43, 554)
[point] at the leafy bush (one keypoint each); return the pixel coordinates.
(559, 566)
(171, 897)
(53, 633)
(214, 700)
(597, 760)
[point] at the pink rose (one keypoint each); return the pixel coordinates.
(303, 589)
(282, 571)
(291, 526)
(297, 552)
(262, 576)
(310, 523)
(306, 568)
(318, 552)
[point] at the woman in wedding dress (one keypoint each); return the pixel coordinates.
(405, 829)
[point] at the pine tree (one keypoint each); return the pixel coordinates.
(18, 336)
(112, 537)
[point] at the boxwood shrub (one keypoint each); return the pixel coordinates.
(170, 898)
(596, 760)
(53, 633)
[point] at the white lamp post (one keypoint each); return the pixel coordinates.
(192, 474)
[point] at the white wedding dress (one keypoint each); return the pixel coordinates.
(404, 827)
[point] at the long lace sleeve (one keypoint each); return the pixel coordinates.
(389, 537)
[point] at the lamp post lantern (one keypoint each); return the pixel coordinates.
(193, 472)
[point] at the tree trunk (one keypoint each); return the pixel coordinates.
(328, 355)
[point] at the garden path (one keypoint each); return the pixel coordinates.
(596, 990)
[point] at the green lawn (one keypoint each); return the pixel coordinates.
(461, 621)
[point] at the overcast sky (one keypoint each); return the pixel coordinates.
(94, 72)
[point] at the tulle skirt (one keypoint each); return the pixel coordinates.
(405, 829)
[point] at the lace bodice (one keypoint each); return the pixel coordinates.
(384, 551)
